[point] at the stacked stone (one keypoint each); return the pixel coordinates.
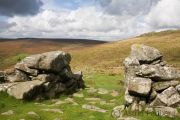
(41, 76)
(149, 81)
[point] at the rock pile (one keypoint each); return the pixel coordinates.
(41, 76)
(150, 82)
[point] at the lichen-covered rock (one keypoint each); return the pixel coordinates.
(25, 90)
(166, 111)
(158, 73)
(53, 61)
(159, 86)
(14, 75)
(145, 54)
(169, 97)
(140, 86)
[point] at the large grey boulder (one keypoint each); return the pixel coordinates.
(145, 54)
(26, 90)
(159, 86)
(158, 73)
(13, 75)
(53, 61)
(140, 86)
(166, 111)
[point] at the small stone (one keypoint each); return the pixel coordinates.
(78, 95)
(102, 91)
(92, 99)
(53, 110)
(116, 93)
(102, 102)
(58, 119)
(131, 118)
(71, 100)
(93, 108)
(60, 102)
(116, 113)
(9, 112)
(33, 113)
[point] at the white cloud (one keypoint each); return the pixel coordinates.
(84, 22)
(117, 19)
(165, 14)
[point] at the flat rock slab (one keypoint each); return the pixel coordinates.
(102, 91)
(53, 110)
(78, 95)
(9, 112)
(93, 108)
(93, 99)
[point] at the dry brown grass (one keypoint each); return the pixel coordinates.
(113, 54)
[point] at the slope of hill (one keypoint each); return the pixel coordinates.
(113, 54)
(12, 50)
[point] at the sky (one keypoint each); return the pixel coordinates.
(107, 20)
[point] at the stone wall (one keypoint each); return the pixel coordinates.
(41, 76)
(149, 81)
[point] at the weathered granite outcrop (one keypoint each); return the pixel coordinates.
(150, 81)
(41, 76)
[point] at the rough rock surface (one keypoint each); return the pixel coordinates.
(140, 86)
(149, 81)
(41, 76)
(158, 73)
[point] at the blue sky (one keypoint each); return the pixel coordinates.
(107, 20)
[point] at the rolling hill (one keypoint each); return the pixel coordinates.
(12, 50)
(94, 55)
(111, 55)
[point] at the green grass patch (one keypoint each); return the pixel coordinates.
(75, 112)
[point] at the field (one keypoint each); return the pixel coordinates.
(102, 65)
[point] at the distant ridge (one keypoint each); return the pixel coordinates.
(68, 40)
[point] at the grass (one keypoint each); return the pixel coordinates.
(71, 112)
(112, 54)
(74, 112)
